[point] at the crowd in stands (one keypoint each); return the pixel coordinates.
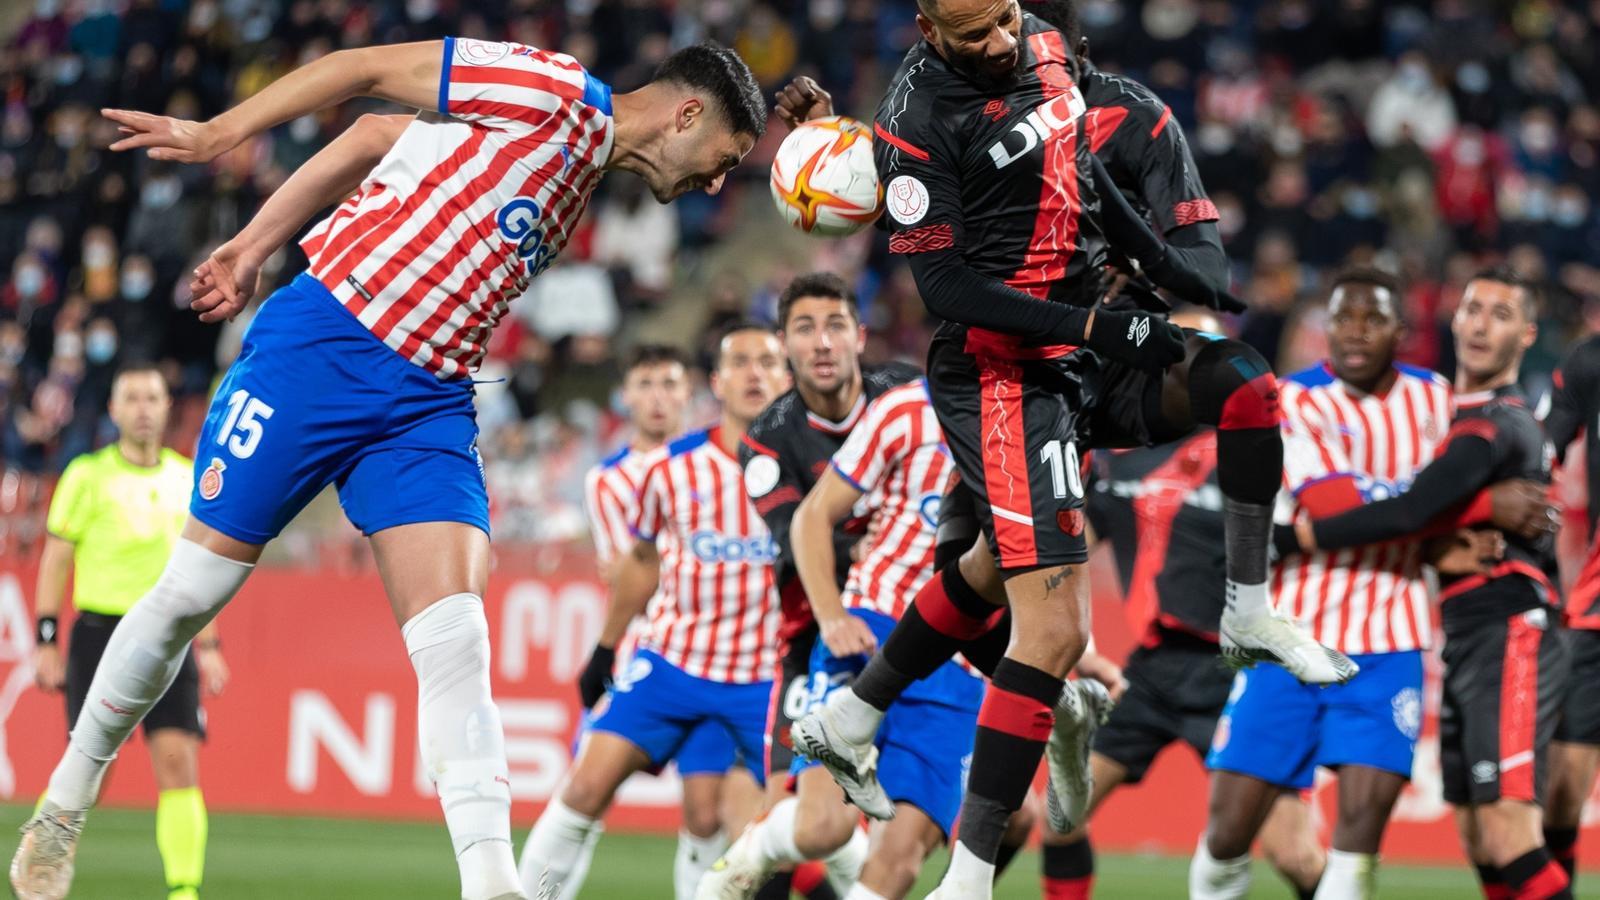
(1429, 137)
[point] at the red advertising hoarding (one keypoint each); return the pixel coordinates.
(320, 715)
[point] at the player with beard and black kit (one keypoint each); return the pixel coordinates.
(783, 453)
(991, 196)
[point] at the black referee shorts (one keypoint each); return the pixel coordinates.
(178, 708)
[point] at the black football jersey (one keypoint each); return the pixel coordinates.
(1144, 150)
(1575, 410)
(1161, 511)
(1003, 175)
(1527, 576)
(784, 452)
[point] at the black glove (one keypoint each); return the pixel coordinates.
(1135, 338)
(1190, 286)
(595, 679)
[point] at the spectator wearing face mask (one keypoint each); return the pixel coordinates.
(1411, 103)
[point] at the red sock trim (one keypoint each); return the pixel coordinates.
(934, 605)
(1547, 882)
(1069, 888)
(1015, 714)
(1253, 406)
(808, 876)
(1498, 892)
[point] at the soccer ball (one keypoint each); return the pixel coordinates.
(823, 178)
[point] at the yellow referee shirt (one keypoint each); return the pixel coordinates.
(122, 520)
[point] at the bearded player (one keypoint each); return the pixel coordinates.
(451, 219)
(987, 186)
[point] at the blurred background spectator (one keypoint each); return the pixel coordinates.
(1432, 138)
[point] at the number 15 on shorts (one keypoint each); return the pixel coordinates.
(1062, 458)
(241, 432)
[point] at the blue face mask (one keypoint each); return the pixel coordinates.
(99, 347)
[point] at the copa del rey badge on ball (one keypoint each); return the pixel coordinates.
(823, 178)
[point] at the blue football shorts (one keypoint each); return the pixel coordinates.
(925, 741)
(664, 711)
(1278, 730)
(316, 399)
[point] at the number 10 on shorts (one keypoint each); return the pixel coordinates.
(242, 430)
(1062, 458)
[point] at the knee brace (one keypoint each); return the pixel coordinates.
(1232, 388)
(958, 526)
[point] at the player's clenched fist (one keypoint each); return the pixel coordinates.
(1136, 338)
(803, 99)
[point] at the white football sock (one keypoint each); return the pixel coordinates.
(550, 856)
(463, 746)
(1349, 876)
(142, 658)
(844, 864)
(774, 834)
(1217, 879)
(857, 892)
(580, 866)
(856, 719)
(694, 859)
(968, 876)
(1248, 601)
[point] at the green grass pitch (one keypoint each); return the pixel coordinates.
(271, 858)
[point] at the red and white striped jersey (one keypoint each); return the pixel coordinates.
(470, 204)
(1364, 599)
(896, 456)
(716, 613)
(611, 500)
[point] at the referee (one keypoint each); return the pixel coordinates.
(113, 521)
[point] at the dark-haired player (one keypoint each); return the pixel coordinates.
(450, 220)
(708, 654)
(655, 391)
(1575, 750)
(991, 194)
(1505, 663)
(785, 451)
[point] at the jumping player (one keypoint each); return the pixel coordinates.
(655, 391)
(895, 462)
(987, 186)
(709, 651)
(113, 520)
(787, 448)
(1575, 750)
(407, 278)
(1505, 663)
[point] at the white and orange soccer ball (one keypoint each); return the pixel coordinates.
(823, 178)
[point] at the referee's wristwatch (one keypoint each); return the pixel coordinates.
(47, 630)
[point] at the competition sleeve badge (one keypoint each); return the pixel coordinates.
(907, 199)
(211, 479)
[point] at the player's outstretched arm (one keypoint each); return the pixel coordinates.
(224, 283)
(811, 534)
(407, 74)
(1452, 479)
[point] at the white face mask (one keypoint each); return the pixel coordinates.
(98, 256)
(100, 346)
(1570, 212)
(303, 130)
(136, 285)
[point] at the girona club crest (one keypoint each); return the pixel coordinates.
(211, 479)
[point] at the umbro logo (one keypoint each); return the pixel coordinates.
(996, 109)
(1138, 330)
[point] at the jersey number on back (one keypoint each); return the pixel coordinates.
(242, 431)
